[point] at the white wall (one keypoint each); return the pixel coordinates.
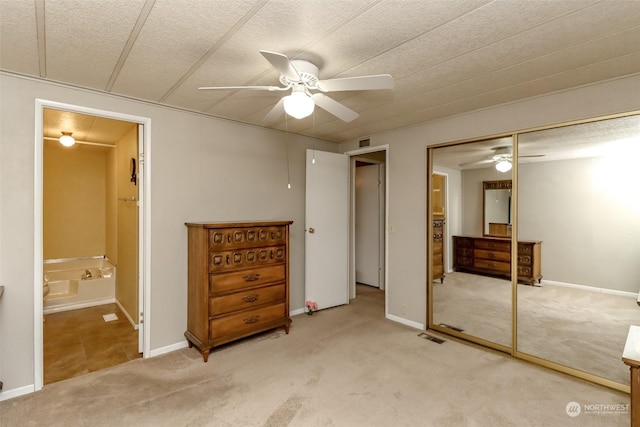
(203, 169)
(407, 170)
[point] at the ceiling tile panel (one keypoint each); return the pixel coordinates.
(85, 38)
(382, 28)
(18, 37)
(485, 25)
(170, 44)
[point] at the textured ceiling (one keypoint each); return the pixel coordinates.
(446, 56)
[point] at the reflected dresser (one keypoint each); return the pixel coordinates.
(238, 281)
(438, 249)
(492, 256)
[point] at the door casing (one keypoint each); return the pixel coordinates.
(144, 242)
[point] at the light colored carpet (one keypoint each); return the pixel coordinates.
(582, 329)
(346, 366)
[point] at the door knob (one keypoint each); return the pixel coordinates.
(311, 230)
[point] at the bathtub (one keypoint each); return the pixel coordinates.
(71, 287)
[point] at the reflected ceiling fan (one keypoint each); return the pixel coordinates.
(502, 157)
(307, 90)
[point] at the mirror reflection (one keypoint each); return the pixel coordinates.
(497, 208)
(474, 297)
(582, 199)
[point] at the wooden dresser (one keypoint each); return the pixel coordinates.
(238, 277)
(492, 256)
(438, 249)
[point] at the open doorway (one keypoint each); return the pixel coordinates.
(368, 222)
(91, 241)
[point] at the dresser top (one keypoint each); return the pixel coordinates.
(498, 239)
(235, 224)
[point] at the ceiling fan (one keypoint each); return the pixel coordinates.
(307, 90)
(502, 157)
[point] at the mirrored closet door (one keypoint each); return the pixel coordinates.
(581, 198)
(565, 220)
(472, 291)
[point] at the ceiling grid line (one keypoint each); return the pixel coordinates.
(135, 32)
(247, 17)
(41, 37)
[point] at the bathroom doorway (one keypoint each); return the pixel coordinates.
(92, 240)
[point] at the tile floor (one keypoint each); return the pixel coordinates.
(77, 342)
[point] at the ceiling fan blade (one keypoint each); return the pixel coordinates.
(377, 82)
(282, 64)
(269, 88)
(531, 155)
(334, 107)
(276, 112)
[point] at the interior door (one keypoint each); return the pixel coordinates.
(367, 224)
(327, 229)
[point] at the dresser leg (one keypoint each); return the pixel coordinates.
(205, 355)
(190, 344)
(286, 329)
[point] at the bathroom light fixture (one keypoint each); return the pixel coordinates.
(503, 166)
(66, 139)
(299, 104)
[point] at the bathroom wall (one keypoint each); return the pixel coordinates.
(127, 225)
(74, 200)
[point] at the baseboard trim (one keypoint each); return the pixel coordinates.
(406, 322)
(168, 349)
(134, 324)
(296, 312)
(20, 391)
(590, 288)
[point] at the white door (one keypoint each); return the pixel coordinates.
(327, 229)
(367, 224)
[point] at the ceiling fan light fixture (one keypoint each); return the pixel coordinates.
(503, 166)
(66, 139)
(298, 105)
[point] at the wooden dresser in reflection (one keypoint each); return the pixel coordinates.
(238, 281)
(438, 249)
(492, 256)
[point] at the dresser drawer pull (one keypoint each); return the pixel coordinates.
(228, 238)
(251, 319)
(228, 259)
(251, 298)
(251, 277)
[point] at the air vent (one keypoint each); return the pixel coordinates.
(431, 338)
(365, 142)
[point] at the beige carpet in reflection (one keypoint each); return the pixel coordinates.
(582, 329)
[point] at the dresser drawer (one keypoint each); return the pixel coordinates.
(245, 321)
(493, 245)
(492, 255)
(525, 260)
(221, 239)
(247, 299)
(497, 266)
(525, 271)
(237, 280)
(241, 258)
